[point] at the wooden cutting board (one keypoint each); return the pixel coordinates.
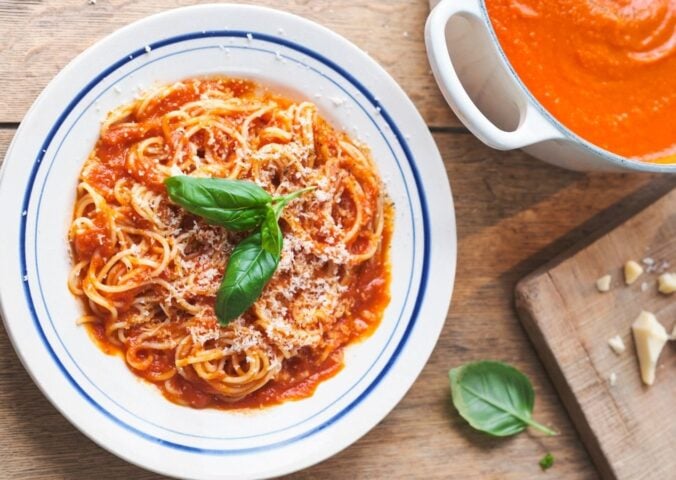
(629, 429)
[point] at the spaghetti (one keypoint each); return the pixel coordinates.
(148, 271)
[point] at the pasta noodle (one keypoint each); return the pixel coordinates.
(148, 271)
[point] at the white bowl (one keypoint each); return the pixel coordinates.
(37, 188)
(485, 93)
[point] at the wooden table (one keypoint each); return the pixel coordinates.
(513, 213)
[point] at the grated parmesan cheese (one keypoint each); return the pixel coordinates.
(337, 101)
(186, 257)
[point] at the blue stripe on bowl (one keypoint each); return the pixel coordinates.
(395, 130)
(39, 281)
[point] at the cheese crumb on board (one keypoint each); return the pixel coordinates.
(603, 283)
(616, 344)
(667, 283)
(650, 338)
(632, 270)
(612, 379)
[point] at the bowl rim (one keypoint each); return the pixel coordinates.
(441, 190)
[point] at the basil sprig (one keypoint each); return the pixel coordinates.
(237, 205)
(494, 398)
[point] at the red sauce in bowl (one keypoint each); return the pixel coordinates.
(606, 69)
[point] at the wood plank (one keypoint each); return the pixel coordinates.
(569, 321)
(510, 209)
(391, 32)
(6, 135)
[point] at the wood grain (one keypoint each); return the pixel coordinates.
(41, 37)
(514, 214)
(624, 426)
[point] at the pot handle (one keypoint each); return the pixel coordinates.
(533, 127)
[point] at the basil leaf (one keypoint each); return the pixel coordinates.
(547, 461)
(234, 204)
(249, 269)
(235, 220)
(494, 398)
(271, 234)
(217, 192)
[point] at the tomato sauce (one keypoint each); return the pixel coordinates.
(302, 374)
(368, 295)
(605, 69)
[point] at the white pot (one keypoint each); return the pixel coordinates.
(488, 97)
